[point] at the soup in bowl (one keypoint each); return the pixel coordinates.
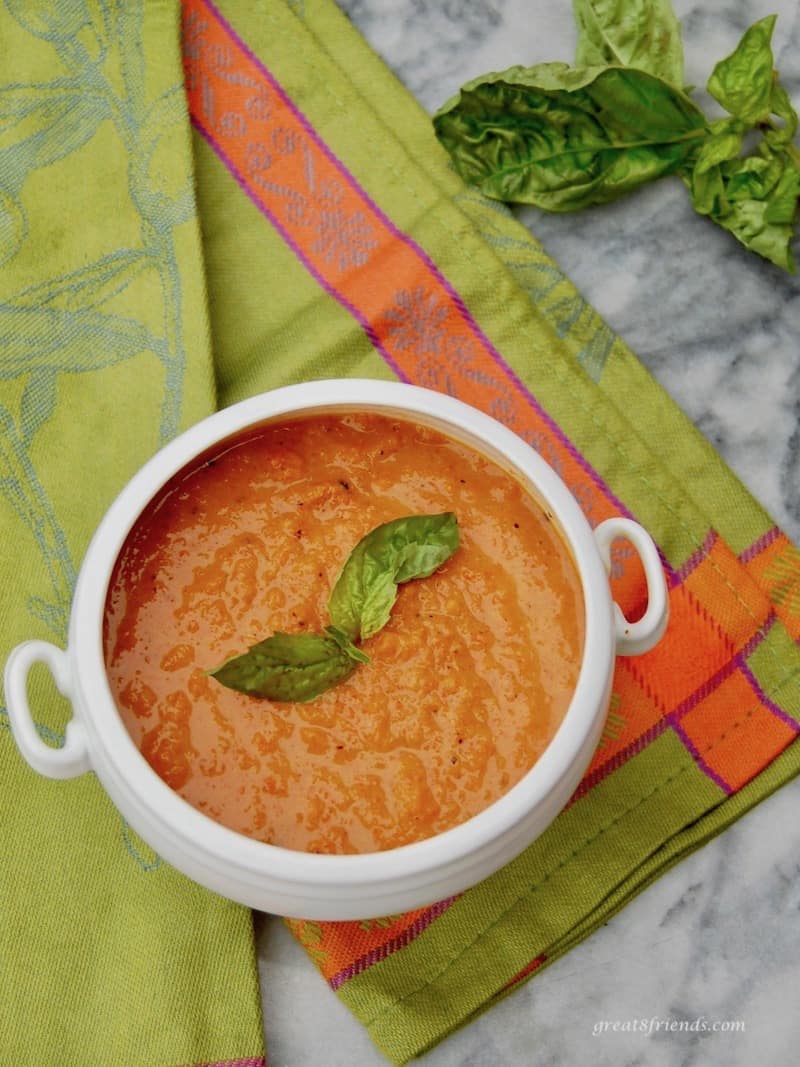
(448, 741)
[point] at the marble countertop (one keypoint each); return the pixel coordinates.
(718, 936)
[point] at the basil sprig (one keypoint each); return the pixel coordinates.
(299, 667)
(564, 138)
(755, 196)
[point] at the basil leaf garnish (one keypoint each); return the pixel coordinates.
(630, 33)
(396, 552)
(288, 667)
(299, 667)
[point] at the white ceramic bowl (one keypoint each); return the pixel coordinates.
(280, 880)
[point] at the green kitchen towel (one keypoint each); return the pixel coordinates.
(334, 239)
(107, 955)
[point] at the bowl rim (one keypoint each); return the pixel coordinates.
(147, 800)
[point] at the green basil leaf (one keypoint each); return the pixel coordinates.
(724, 143)
(754, 177)
(743, 81)
(707, 190)
(749, 223)
(755, 199)
(783, 201)
(566, 138)
(630, 33)
(781, 106)
(288, 667)
(398, 551)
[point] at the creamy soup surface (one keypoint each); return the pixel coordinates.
(467, 682)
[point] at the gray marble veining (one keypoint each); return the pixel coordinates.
(718, 936)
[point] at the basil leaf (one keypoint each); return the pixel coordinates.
(565, 138)
(748, 221)
(288, 667)
(742, 82)
(630, 33)
(781, 106)
(746, 83)
(755, 199)
(754, 177)
(396, 552)
(707, 190)
(724, 143)
(782, 205)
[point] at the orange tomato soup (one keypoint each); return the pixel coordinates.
(467, 682)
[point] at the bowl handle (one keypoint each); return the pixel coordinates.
(73, 756)
(634, 638)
